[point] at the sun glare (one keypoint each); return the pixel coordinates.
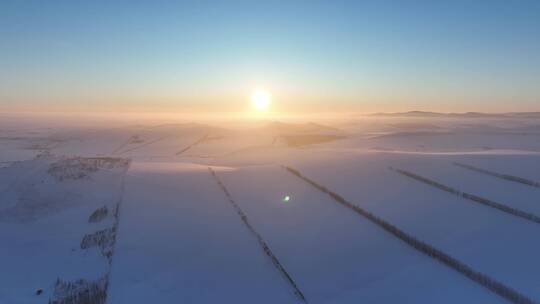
(260, 100)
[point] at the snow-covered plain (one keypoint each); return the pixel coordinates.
(171, 235)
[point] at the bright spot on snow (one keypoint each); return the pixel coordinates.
(286, 198)
(261, 99)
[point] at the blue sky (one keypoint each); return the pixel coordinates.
(183, 55)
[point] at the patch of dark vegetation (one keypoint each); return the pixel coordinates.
(93, 291)
(36, 147)
(474, 198)
(81, 167)
(44, 154)
(478, 277)
(103, 239)
(507, 177)
(304, 140)
(80, 292)
(98, 215)
(116, 212)
(85, 291)
(261, 241)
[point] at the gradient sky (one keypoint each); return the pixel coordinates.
(312, 55)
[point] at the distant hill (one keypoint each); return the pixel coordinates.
(460, 115)
(299, 128)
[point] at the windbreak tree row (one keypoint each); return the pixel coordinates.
(474, 198)
(425, 248)
(507, 177)
(85, 291)
(277, 264)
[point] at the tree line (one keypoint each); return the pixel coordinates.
(474, 198)
(423, 247)
(508, 177)
(259, 238)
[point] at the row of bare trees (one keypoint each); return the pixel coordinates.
(86, 291)
(80, 292)
(508, 177)
(260, 239)
(425, 248)
(474, 198)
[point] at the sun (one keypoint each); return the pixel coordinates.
(261, 99)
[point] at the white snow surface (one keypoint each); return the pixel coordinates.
(179, 239)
